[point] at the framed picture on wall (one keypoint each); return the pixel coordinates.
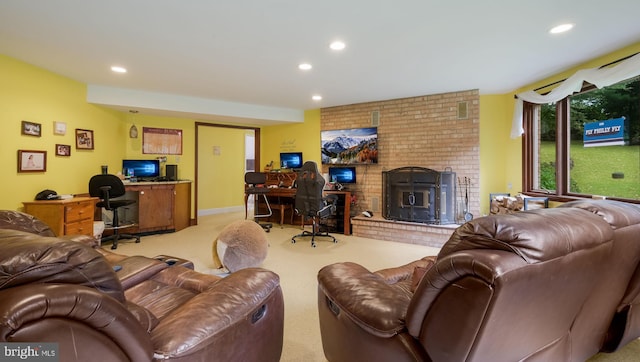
(63, 150)
(31, 129)
(84, 139)
(32, 161)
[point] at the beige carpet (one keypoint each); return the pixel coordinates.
(297, 264)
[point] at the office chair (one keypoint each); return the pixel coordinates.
(311, 204)
(108, 187)
(255, 184)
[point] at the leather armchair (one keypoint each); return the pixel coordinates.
(539, 285)
(63, 291)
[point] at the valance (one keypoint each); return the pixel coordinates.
(600, 77)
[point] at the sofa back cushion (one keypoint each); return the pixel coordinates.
(17, 220)
(29, 258)
(535, 236)
(511, 283)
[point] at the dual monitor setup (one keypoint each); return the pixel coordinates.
(340, 174)
(148, 170)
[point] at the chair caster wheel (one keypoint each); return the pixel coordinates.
(313, 245)
(137, 241)
(114, 247)
(293, 241)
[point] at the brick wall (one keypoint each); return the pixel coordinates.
(425, 131)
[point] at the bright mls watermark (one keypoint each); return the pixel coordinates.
(10, 352)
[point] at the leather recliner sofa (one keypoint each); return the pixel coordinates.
(540, 285)
(67, 291)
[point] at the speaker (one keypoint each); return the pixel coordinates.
(171, 172)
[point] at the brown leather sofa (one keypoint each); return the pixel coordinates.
(540, 285)
(67, 291)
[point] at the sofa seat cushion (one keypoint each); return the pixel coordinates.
(159, 298)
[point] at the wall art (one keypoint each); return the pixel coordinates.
(32, 161)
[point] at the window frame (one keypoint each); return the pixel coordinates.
(529, 147)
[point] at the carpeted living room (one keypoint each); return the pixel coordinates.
(401, 124)
(297, 266)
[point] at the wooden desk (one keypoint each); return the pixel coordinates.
(160, 206)
(291, 193)
(65, 217)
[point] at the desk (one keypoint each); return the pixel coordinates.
(291, 193)
(65, 217)
(160, 206)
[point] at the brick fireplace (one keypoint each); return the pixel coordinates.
(426, 131)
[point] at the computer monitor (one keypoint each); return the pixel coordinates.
(291, 160)
(141, 168)
(343, 175)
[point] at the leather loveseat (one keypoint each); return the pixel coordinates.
(543, 285)
(68, 292)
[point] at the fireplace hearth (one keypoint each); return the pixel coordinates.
(418, 194)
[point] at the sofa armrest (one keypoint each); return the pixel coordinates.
(83, 321)
(365, 297)
(406, 272)
(247, 304)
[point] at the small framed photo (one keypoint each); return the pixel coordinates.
(59, 128)
(32, 161)
(31, 129)
(63, 150)
(84, 139)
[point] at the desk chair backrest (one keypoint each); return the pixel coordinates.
(255, 178)
(310, 184)
(106, 187)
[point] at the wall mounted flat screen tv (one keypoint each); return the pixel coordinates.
(347, 146)
(343, 174)
(141, 168)
(291, 160)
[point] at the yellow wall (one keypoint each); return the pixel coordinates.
(500, 156)
(221, 173)
(133, 146)
(33, 94)
(36, 95)
(300, 137)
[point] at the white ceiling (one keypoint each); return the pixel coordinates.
(206, 55)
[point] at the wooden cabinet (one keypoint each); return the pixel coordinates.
(161, 206)
(65, 217)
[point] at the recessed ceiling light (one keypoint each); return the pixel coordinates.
(118, 69)
(304, 66)
(316, 97)
(561, 28)
(337, 45)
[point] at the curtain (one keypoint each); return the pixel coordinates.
(600, 77)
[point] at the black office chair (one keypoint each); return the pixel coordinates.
(311, 204)
(255, 184)
(108, 187)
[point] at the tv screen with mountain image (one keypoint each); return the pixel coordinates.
(346, 146)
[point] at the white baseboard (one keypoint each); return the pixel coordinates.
(222, 210)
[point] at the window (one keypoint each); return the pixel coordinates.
(586, 144)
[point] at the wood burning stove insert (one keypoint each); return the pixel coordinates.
(419, 194)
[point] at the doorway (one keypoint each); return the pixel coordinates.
(223, 154)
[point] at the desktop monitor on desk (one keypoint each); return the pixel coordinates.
(292, 160)
(141, 169)
(342, 175)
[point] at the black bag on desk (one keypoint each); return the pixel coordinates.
(46, 195)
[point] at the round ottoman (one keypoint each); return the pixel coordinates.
(241, 244)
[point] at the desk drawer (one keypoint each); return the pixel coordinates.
(84, 227)
(78, 211)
